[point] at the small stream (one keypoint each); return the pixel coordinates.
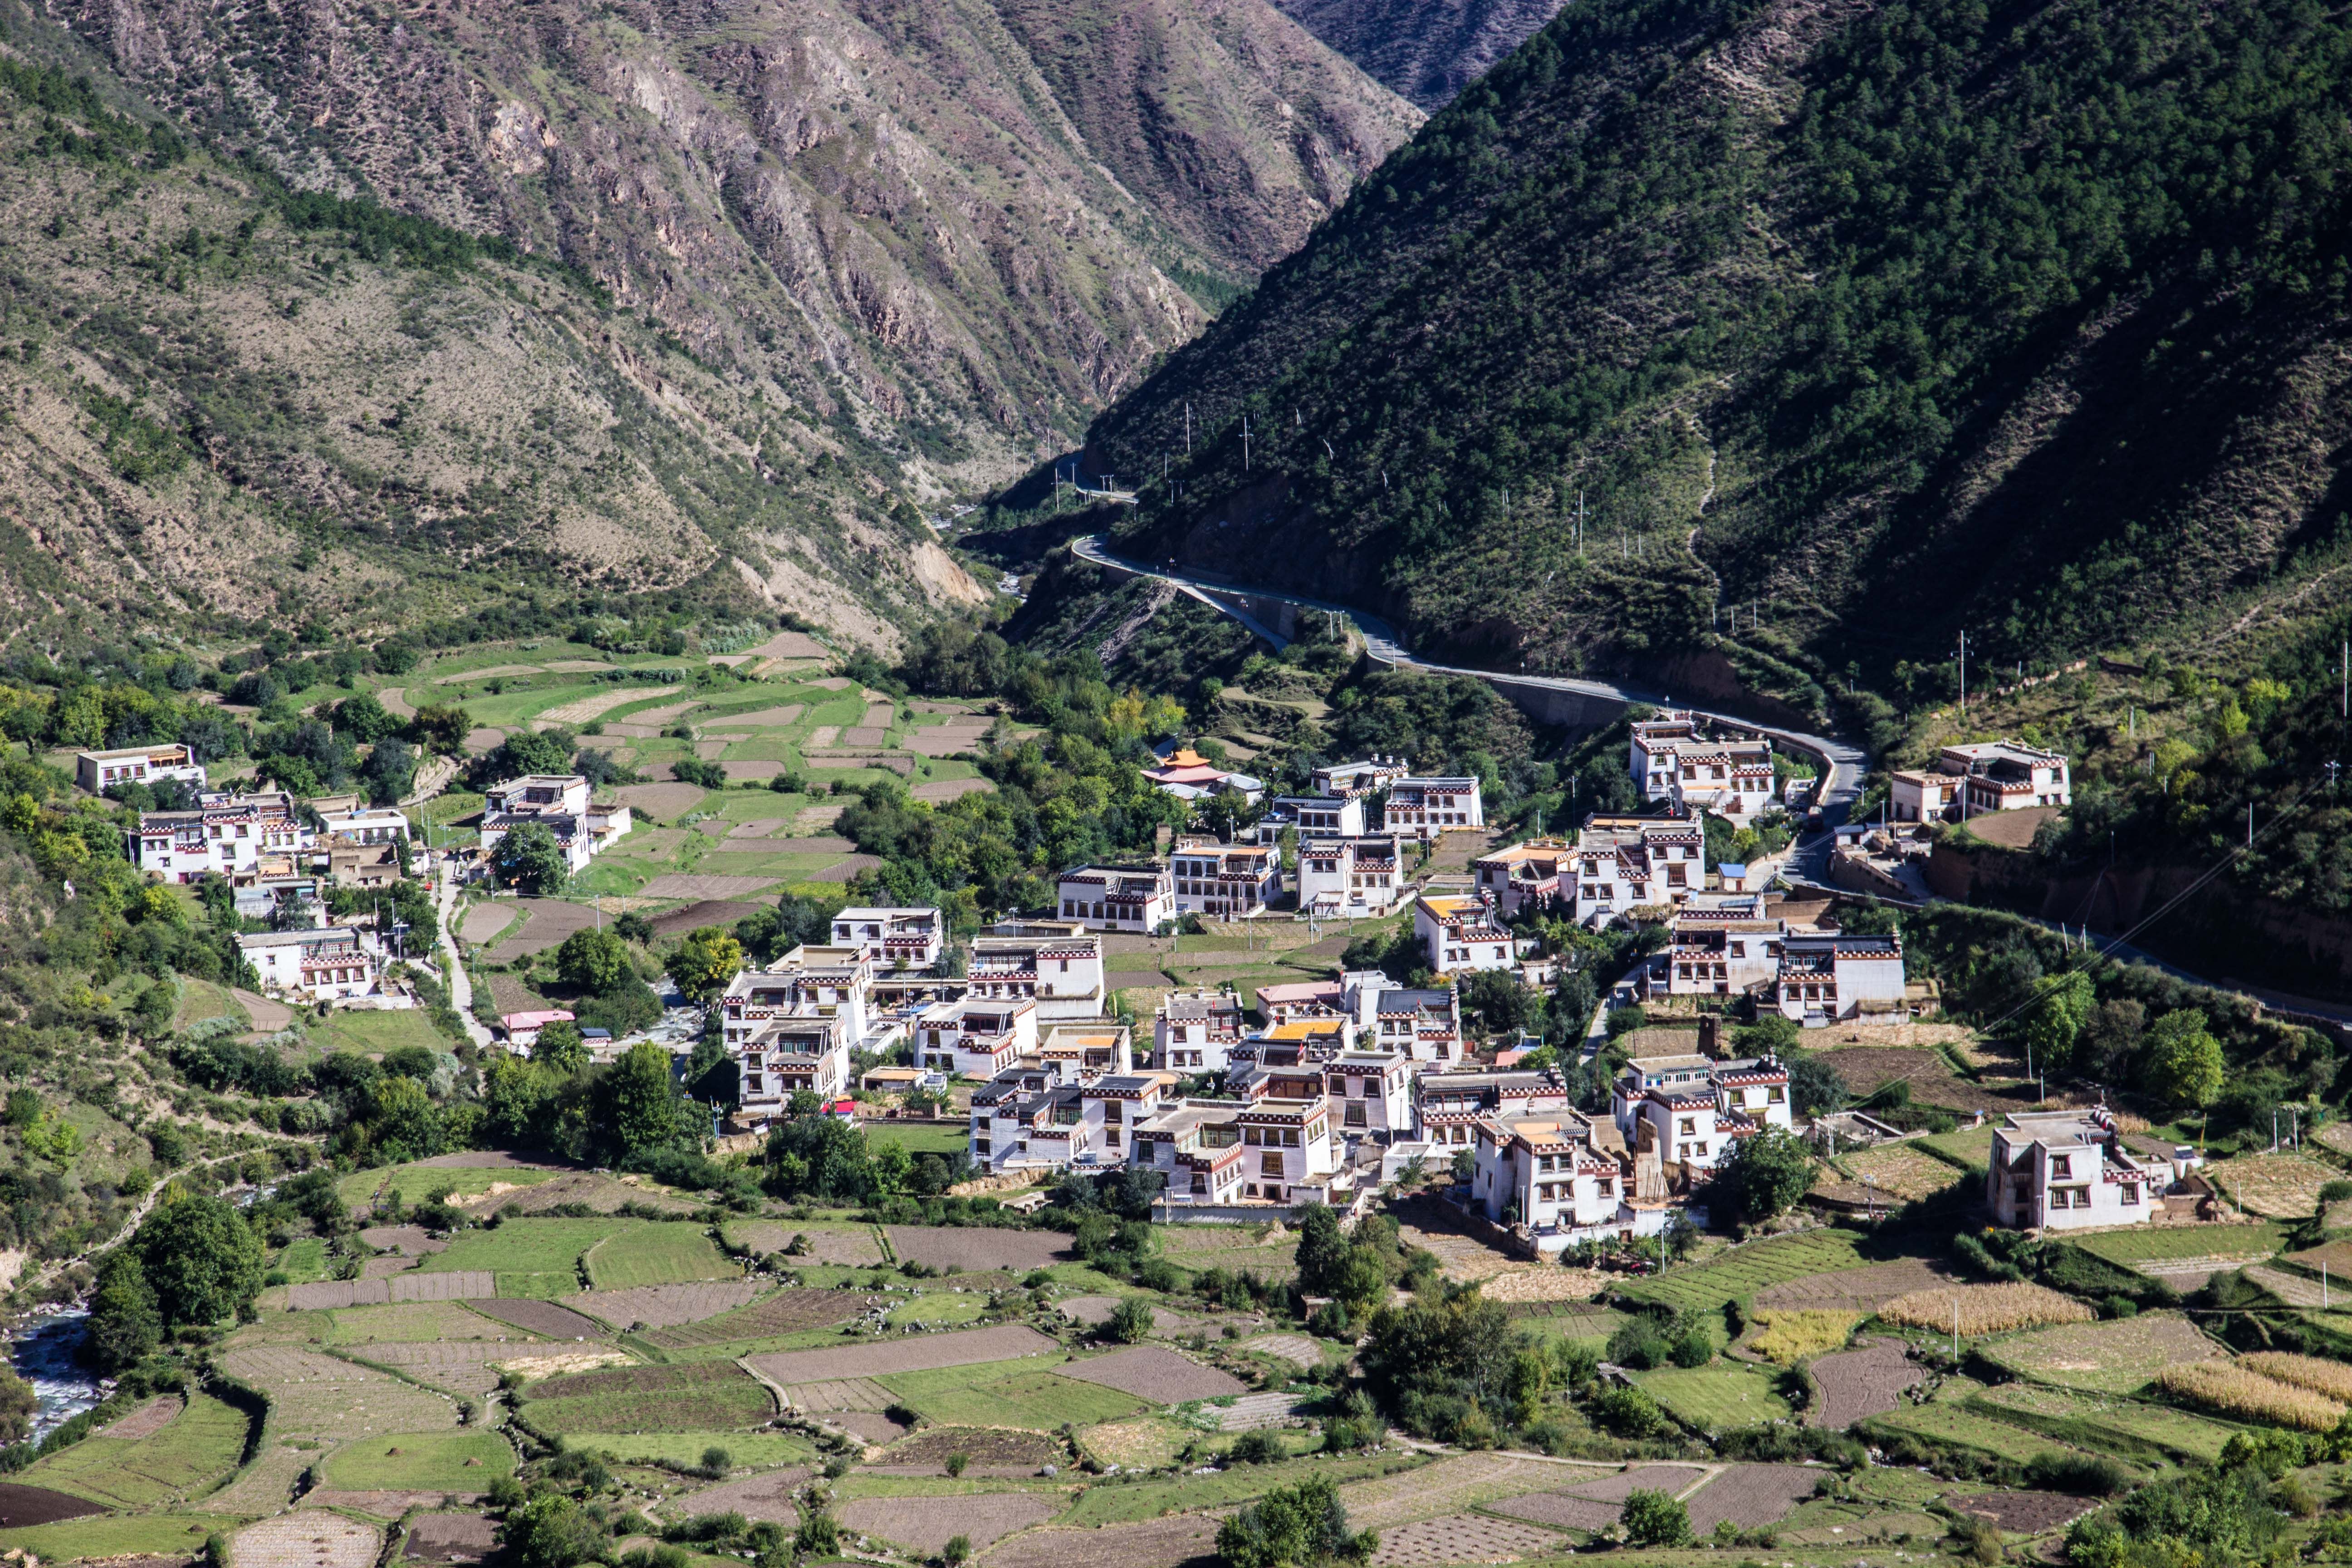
(43, 1354)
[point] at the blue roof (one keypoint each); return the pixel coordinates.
(1732, 868)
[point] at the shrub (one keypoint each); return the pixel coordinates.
(2084, 1475)
(956, 1463)
(1654, 1518)
(2235, 1391)
(1256, 1447)
(1627, 1411)
(1130, 1322)
(1986, 1309)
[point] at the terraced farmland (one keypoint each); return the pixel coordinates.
(1746, 1271)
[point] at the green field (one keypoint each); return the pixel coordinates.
(939, 1308)
(1971, 1149)
(919, 1138)
(303, 1261)
(1964, 1429)
(1716, 1398)
(1745, 1271)
(2134, 1427)
(543, 1247)
(701, 1396)
(1128, 1502)
(686, 1447)
(2147, 1245)
(422, 1462)
(916, 1386)
(1040, 1400)
(372, 1033)
(189, 1457)
(676, 1254)
(413, 1182)
(202, 999)
(177, 1536)
(2117, 1356)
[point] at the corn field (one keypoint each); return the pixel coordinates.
(2233, 1390)
(2330, 1378)
(1795, 1334)
(1986, 1309)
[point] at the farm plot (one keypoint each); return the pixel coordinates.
(665, 1306)
(1153, 1544)
(928, 1523)
(1748, 1269)
(451, 1538)
(529, 1252)
(1464, 1538)
(1449, 1486)
(694, 1397)
(1975, 1310)
(1948, 1423)
(1859, 1383)
(1901, 1172)
(2275, 1186)
(914, 1353)
(412, 1321)
(2147, 1244)
(146, 1462)
(590, 1190)
(765, 1497)
(408, 1240)
(2114, 1357)
(847, 1246)
(1127, 1503)
(1160, 1376)
(652, 1255)
(314, 1539)
(987, 1448)
(975, 1249)
(1716, 1398)
(1040, 1400)
(788, 1312)
(2132, 1427)
(468, 1367)
(1868, 1069)
(544, 1318)
(463, 1461)
(315, 1395)
(2027, 1513)
(846, 1394)
(1252, 1411)
(1751, 1496)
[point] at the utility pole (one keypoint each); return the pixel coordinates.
(1245, 444)
(1964, 671)
(1188, 428)
(1579, 524)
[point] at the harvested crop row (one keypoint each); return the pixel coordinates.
(1795, 1334)
(2234, 1391)
(1986, 1309)
(2332, 1379)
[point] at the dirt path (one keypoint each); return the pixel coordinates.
(453, 965)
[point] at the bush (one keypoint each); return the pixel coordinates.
(1654, 1518)
(1129, 1322)
(1627, 1411)
(2084, 1474)
(1256, 1447)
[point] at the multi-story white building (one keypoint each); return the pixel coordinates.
(557, 801)
(1625, 863)
(1422, 808)
(1088, 1050)
(1314, 815)
(1675, 756)
(2001, 775)
(224, 836)
(98, 772)
(1353, 781)
(1197, 1145)
(976, 1037)
(1223, 881)
(832, 985)
(1689, 1108)
(1373, 1091)
(1424, 1024)
(1296, 999)
(1526, 874)
(1540, 1169)
(1124, 898)
(1346, 878)
(1827, 976)
(1038, 1118)
(1057, 965)
(1194, 1031)
(325, 965)
(1723, 944)
(359, 826)
(786, 1055)
(1448, 1106)
(1460, 934)
(892, 938)
(2067, 1170)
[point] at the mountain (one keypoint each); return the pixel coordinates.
(1869, 324)
(1424, 50)
(965, 222)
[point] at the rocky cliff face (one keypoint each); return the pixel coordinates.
(1425, 50)
(960, 226)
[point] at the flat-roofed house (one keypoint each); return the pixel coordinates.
(1422, 808)
(976, 1037)
(328, 963)
(1224, 882)
(1828, 977)
(2068, 1170)
(1373, 1091)
(1460, 933)
(1448, 1105)
(1133, 898)
(1423, 1024)
(1690, 1109)
(894, 938)
(98, 772)
(1194, 1031)
(1723, 944)
(1525, 875)
(224, 836)
(1342, 878)
(1541, 1170)
(1679, 756)
(1625, 863)
(1058, 966)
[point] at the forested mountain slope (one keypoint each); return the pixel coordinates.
(1910, 317)
(966, 224)
(1426, 50)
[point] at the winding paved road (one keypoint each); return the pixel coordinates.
(1844, 762)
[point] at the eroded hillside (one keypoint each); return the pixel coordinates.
(1424, 50)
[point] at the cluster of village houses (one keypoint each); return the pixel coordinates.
(1339, 1087)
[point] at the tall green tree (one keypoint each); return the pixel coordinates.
(2182, 1064)
(1765, 1175)
(1292, 1527)
(125, 1323)
(528, 858)
(641, 1107)
(595, 960)
(2056, 1023)
(704, 962)
(202, 1259)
